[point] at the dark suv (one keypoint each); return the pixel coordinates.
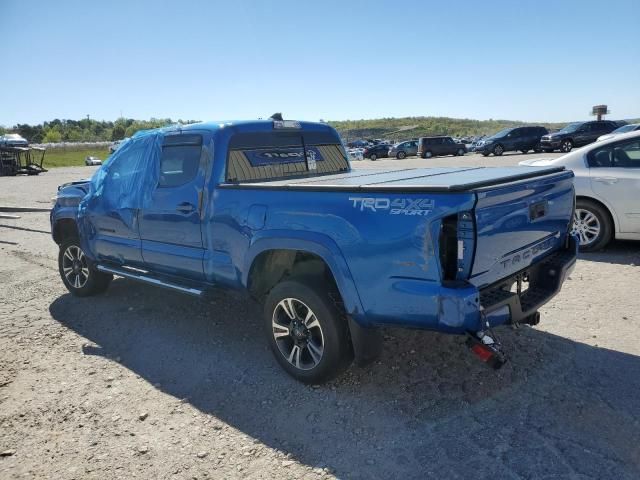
(576, 135)
(515, 139)
(431, 146)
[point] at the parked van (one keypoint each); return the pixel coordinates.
(432, 146)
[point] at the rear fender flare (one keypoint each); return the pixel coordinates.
(317, 244)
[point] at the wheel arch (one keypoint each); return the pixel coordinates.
(606, 208)
(281, 255)
(63, 229)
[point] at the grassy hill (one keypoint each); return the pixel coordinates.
(410, 127)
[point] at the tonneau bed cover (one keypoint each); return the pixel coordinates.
(441, 179)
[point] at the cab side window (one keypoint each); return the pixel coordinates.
(180, 160)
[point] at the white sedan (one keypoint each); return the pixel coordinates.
(607, 182)
(90, 161)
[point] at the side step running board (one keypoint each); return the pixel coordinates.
(142, 277)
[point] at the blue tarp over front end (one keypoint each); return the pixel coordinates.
(124, 184)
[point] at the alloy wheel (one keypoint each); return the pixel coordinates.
(75, 267)
(586, 226)
(298, 333)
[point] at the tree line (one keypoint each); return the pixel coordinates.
(85, 130)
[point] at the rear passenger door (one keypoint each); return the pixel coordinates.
(437, 146)
(170, 228)
(615, 176)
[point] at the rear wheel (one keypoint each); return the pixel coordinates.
(525, 151)
(401, 155)
(77, 272)
(460, 152)
(307, 332)
(566, 146)
(427, 154)
(373, 157)
(592, 225)
(485, 154)
(498, 150)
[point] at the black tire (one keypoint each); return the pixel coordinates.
(498, 150)
(485, 154)
(601, 220)
(307, 293)
(78, 273)
(401, 155)
(427, 154)
(373, 157)
(525, 151)
(566, 146)
(460, 152)
(549, 150)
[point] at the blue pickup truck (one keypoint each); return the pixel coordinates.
(273, 208)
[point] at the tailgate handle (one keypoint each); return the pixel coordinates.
(538, 210)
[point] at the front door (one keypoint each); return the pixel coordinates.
(618, 183)
(583, 135)
(170, 227)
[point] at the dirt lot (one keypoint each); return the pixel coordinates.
(147, 383)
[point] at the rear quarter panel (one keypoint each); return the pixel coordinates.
(389, 253)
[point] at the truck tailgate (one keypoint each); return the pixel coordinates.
(518, 223)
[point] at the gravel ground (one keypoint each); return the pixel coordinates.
(147, 383)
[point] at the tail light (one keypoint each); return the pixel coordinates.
(457, 246)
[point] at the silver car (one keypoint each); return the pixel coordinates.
(632, 127)
(607, 182)
(404, 149)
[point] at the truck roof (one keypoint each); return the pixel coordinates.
(256, 125)
(444, 179)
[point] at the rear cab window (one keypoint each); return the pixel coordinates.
(263, 156)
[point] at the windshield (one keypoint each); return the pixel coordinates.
(625, 128)
(572, 127)
(501, 133)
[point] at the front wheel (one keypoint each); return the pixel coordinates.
(373, 157)
(566, 146)
(401, 155)
(524, 151)
(306, 331)
(427, 154)
(498, 150)
(592, 225)
(77, 272)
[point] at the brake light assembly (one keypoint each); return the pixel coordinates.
(457, 246)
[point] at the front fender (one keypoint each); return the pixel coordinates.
(317, 244)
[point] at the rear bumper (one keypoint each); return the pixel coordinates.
(545, 277)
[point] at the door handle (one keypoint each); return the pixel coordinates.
(185, 207)
(607, 180)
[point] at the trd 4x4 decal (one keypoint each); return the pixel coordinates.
(394, 206)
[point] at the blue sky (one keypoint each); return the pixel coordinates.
(528, 60)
